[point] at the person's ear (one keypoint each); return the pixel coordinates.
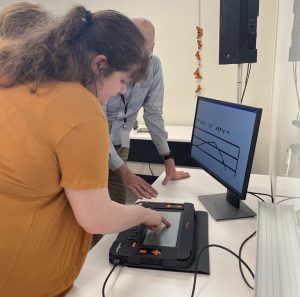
(98, 64)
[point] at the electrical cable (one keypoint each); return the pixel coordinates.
(240, 257)
(241, 261)
(254, 194)
(149, 164)
(246, 81)
(287, 198)
(221, 247)
(296, 85)
(116, 262)
(249, 237)
(264, 194)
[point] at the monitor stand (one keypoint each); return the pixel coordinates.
(220, 209)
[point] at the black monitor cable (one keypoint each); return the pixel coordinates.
(240, 257)
(263, 194)
(116, 263)
(246, 81)
(256, 195)
(241, 261)
(250, 236)
(149, 164)
(221, 247)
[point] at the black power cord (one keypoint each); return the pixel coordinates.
(149, 165)
(239, 256)
(221, 247)
(256, 195)
(250, 236)
(263, 194)
(116, 263)
(246, 81)
(240, 262)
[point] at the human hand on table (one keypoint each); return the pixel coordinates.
(137, 185)
(172, 173)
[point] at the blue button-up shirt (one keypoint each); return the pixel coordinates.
(147, 94)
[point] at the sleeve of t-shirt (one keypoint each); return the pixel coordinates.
(83, 155)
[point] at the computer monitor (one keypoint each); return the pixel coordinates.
(223, 144)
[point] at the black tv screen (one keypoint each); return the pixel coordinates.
(223, 142)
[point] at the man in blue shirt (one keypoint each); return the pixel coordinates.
(122, 111)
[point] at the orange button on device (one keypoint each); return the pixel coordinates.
(133, 244)
(142, 251)
(156, 252)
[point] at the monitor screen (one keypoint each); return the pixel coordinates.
(167, 236)
(223, 142)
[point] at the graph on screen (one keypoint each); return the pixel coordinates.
(222, 137)
(222, 151)
(223, 142)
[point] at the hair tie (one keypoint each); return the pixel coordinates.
(87, 18)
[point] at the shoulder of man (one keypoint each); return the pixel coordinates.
(154, 69)
(155, 61)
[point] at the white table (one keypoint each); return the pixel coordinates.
(175, 133)
(224, 280)
(288, 187)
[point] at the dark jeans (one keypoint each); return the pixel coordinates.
(116, 188)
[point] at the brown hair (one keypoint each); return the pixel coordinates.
(63, 51)
(19, 18)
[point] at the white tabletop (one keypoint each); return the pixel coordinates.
(287, 190)
(224, 280)
(175, 133)
(287, 186)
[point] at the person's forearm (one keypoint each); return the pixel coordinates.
(96, 213)
(119, 217)
(123, 170)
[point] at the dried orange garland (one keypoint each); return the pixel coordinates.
(197, 73)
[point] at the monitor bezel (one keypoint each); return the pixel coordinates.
(258, 111)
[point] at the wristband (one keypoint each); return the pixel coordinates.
(168, 156)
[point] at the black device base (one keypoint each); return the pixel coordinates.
(200, 240)
(219, 208)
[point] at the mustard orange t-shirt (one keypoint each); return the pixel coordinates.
(54, 139)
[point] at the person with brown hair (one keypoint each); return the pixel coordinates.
(55, 146)
(21, 17)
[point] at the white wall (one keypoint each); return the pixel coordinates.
(220, 80)
(285, 105)
(176, 46)
(175, 23)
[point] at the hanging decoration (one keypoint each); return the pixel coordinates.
(197, 73)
